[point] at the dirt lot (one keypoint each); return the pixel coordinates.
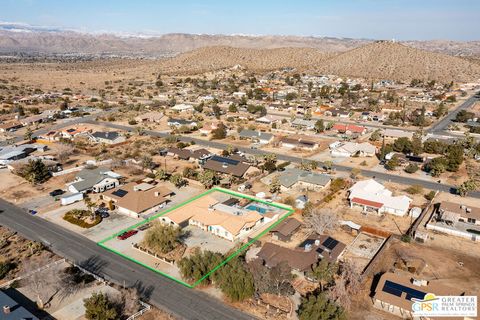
(156, 314)
(18, 251)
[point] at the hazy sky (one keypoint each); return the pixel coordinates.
(379, 19)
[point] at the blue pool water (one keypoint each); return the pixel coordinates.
(256, 208)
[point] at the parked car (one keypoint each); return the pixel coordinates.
(32, 212)
(102, 212)
(56, 192)
(127, 234)
(144, 227)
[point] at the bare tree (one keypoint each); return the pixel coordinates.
(64, 152)
(321, 220)
(347, 285)
(43, 283)
(130, 301)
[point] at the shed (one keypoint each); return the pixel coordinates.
(285, 229)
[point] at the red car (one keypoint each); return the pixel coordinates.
(126, 234)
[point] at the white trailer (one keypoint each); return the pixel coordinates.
(71, 198)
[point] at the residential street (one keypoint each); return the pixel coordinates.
(442, 125)
(164, 293)
(367, 173)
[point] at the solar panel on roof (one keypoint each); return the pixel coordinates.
(330, 243)
(397, 290)
(225, 160)
(120, 193)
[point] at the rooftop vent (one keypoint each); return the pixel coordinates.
(6, 309)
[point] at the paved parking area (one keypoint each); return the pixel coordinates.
(107, 227)
(207, 241)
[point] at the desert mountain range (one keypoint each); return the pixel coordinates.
(429, 60)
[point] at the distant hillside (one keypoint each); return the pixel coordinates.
(379, 60)
(21, 38)
(386, 60)
(214, 58)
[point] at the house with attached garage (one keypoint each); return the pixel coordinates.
(94, 180)
(298, 143)
(297, 179)
(302, 258)
(152, 116)
(232, 165)
(12, 153)
(372, 196)
(256, 136)
(351, 149)
(182, 107)
(177, 123)
(349, 129)
(137, 199)
(303, 124)
(10, 126)
(107, 137)
(269, 119)
(225, 219)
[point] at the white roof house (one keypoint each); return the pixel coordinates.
(182, 107)
(373, 196)
(349, 149)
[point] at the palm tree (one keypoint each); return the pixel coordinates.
(90, 206)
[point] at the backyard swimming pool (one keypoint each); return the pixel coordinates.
(255, 207)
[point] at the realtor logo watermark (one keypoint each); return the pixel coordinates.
(445, 306)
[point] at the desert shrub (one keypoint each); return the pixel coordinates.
(5, 268)
(416, 189)
(77, 217)
(429, 196)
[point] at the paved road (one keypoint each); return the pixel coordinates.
(340, 120)
(442, 125)
(164, 293)
(366, 173)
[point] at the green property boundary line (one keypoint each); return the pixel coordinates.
(230, 257)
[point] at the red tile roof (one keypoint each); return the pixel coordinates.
(368, 203)
(348, 127)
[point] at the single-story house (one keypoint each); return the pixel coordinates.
(257, 136)
(303, 124)
(350, 149)
(269, 119)
(73, 132)
(285, 229)
(107, 137)
(298, 143)
(397, 133)
(455, 212)
(10, 126)
(13, 153)
(228, 165)
(182, 107)
(294, 178)
(177, 123)
(152, 116)
(394, 293)
(220, 219)
(199, 155)
(208, 128)
(138, 199)
(94, 179)
(373, 196)
(38, 118)
(349, 129)
(302, 258)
